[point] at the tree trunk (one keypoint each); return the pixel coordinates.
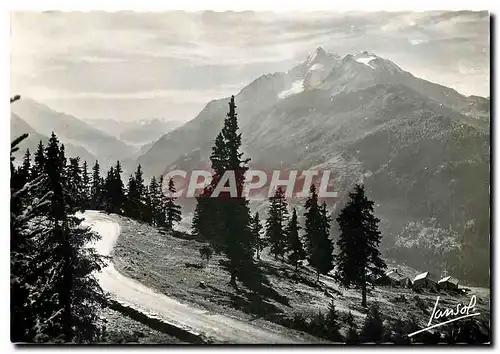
(363, 291)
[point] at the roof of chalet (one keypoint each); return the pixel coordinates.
(449, 279)
(395, 275)
(425, 275)
(391, 270)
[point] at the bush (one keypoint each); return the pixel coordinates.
(332, 324)
(398, 333)
(352, 336)
(299, 322)
(467, 331)
(119, 337)
(373, 327)
(317, 326)
(206, 253)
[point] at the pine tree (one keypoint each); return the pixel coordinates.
(66, 265)
(139, 181)
(131, 207)
(275, 223)
(332, 323)
(225, 220)
(373, 327)
(399, 333)
(358, 243)
(113, 190)
(118, 190)
(162, 198)
(256, 228)
(147, 207)
(108, 191)
(96, 188)
(320, 247)
(197, 227)
(352, 336)
(293, 241)
(135, 201)
(172, 211)
(24, 171)
(154, 200)
(207, 220)
(75, 183)
(140, 199)
(85, 186)
(38, 161)
(236, 213)
(26, 226)
(219, 156)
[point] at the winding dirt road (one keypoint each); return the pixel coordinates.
(130, 292)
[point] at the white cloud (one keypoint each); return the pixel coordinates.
(418, 41)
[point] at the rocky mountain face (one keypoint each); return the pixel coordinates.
(71, 130)
(422, 149)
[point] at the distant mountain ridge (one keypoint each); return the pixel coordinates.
(148, 131)
(138, 132)
(18, 127)
(71, 130)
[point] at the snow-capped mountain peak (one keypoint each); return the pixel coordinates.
(329, 71)
(375, 62)
(310, 72)
(318, 55)
(366, 58)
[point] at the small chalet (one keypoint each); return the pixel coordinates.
(448, 283)
(396, 279)
(425, 281)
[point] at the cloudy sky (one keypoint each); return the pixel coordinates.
(129, 66)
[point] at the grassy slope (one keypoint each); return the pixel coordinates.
(122, 330)
(159, 261)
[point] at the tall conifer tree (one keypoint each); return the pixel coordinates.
(85, 186)
(256, 228)
(66, 264)
(75, 183)
(276, 223)
(225, 220)
(294, 245)
(317, 228)
(38, 161)
(172, 210)
(359, 241)
(96, 188)
(118, 189)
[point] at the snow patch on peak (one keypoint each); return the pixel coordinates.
(317, 66)
(366, 61)
(365, 58)
(297, 87)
